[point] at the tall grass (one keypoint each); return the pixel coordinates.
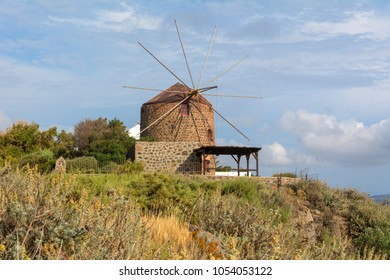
(47, 218)
(158, 216)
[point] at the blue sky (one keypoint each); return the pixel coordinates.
(322, 68)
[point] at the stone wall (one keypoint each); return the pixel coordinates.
(168, 156)
(269, 181)
(278, 181)
(197, 126)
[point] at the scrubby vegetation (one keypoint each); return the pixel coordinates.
(94, 145)
(106, 207)
(285, 174)
(130, 214)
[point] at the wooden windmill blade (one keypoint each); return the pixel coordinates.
(194, 122)
(166, 114)
(174, 91)
(162, 64)
(184, 54)
(226, 70)
(207, 56)
(157, 90)
(232, 125)
(205, 121)
(233, 96)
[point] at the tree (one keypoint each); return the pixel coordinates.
(64, 145)
(104, 139)
(88, 131)
(25, 138)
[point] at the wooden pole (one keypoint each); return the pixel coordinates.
(257, 163)
(247, 164)
(238, 164)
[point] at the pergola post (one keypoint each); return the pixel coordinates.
(238, 164)
(256, 156)
(247, 163)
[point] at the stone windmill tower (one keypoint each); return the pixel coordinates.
(188, 121)
(177, 115)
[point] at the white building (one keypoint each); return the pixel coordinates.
(135, 131)
(231, 173)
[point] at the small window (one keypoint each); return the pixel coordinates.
(185, 109)
(209, 135)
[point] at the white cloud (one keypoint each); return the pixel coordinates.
(20, 78)
(5, 121)
(125, 20)
(20, 71)
(275, 154)
(346, 142)
(368, 25)
(374, 99)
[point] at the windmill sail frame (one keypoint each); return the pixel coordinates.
(181, 106)
(194, 91)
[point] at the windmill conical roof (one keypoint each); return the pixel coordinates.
(175, 94)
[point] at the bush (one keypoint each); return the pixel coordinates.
(377, 237)
(102, 157)
(130, 167)
(252, 229)
(160, 193)
(109, 168)
(223, 168)
(44, 159)
(82, 164)
(242, 188)
(286, 174)
(368, 224)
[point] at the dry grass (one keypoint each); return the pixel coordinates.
(171, 238)
(44, 218)
(147, 216)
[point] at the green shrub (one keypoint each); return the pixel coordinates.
(109, 168)
(159, 193)
(44, 159)
(377, 237)
(106, 157)
(252, 228)
(285, 174)
(315, 192)
(223, 168)
(82, 164)
(243, 188)
(130, 167)
(369, 226)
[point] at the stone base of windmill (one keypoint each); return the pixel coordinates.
(173, 157)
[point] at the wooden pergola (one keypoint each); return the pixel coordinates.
(236, 152)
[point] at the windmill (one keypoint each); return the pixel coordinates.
(181, 113)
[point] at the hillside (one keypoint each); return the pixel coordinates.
(381, 197)
(136, 215)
